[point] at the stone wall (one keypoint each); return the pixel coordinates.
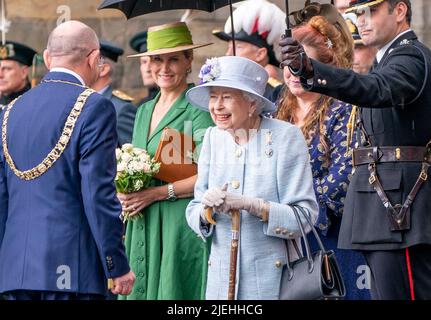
(32, 20)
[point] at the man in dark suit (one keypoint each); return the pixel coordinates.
(387, 209)
(125, 110)
(60, 231)
(15, 62)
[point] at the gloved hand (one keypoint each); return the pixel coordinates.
(223, 202)
(254, 206)
(293, 56)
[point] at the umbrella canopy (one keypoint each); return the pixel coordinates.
(134, 8)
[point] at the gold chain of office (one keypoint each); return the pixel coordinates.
(61, 145)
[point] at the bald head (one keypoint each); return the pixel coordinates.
(70, 42)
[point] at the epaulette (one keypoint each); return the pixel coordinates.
(405, 42)
(274, 82)
(121, 95)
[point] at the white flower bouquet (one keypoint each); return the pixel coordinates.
(135, 168)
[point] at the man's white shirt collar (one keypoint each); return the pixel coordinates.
(382, 51)
(65, 70)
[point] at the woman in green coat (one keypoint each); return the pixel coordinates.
(169, 261)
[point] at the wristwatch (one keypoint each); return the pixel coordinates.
(171, 193)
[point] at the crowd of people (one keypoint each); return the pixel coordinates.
(341, 134)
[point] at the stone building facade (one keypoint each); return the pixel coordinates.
(32, 20)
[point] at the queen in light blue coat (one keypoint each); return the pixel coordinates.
(257, 165)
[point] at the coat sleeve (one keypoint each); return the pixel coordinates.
(3, 196)
(126, 121)
(294, 186)
(397, 83)
(97, 168)
(194, 209)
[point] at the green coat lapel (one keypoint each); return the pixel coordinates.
(179, 107)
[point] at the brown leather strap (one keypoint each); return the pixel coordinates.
(363, 156)
(399, 215)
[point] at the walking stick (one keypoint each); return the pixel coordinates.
(233, 253)
(236, 218)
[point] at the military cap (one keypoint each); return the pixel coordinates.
(357, 5)
(110, 50)
(17, 52)
(139, 42)
(351, 24)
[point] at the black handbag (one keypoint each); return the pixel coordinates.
(315, 276)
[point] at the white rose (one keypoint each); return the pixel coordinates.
(125, 157)
(127, 147)
(146, 168)
(121, 167)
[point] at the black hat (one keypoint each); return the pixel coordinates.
(356, 5)
(110, 50)
(139, 42)
(254, 38)
(17, 52)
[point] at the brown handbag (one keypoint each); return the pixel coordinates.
(175, 155)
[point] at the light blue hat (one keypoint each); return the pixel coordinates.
(231, 72)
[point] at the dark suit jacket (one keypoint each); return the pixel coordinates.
(61, 231)
(126, 112)
(395, 101)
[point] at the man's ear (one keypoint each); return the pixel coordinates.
(105, 70)
(401, 11)
(47, 59)
(261, 55)
(25, 71)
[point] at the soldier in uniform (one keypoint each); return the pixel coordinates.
(258, 27)
(124, 108)
(15, 62)
(139, 44)
(387, 208)
(364, 55)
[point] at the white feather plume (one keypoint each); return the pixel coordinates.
(271, 19)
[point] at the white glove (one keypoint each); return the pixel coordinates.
(233, 201)
(214, 197)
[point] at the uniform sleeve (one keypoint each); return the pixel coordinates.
(97, 167)
(194, 209)
(332, 188)
(395, 84)
(126, 121)
(294, 186)
(3, 196)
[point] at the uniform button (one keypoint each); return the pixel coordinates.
(209, 263)
(141, 274)
(141, 227)
(140, 259)
(278, 264)
(238, 153)
(324, 82)
(140, 243)
(235, 184)
(277, 230)
(322, 226)
(291, 235)
(319, 81)
(285, 231)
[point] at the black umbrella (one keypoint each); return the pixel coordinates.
(134, 8)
